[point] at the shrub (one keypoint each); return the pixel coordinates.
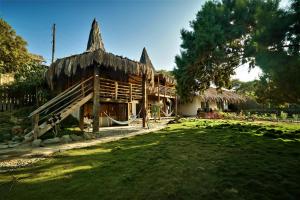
(295, 117)
(283, 115)
(273, 116)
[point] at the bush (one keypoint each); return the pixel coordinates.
(283, 115)
(273, 116)
(295, 117)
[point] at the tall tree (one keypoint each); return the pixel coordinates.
(214, 47)
(13, 51)
(227, 34)
(277, 44)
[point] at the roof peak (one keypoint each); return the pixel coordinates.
(95, 40)
(145, 58)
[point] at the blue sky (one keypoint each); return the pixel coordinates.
(126, 26)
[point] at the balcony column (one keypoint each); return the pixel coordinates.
(158, 93)
(96, 102)
(144, 100)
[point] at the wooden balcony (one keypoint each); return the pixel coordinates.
(164, 91)
(111, 90)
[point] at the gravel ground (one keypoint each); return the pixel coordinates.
(13, 164)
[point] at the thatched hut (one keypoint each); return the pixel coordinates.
(210, 100)
(98, 85)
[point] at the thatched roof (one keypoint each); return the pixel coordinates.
(96, 55)
(95, 40)
(212, 94)
(169, 79)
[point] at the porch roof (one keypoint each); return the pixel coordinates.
(212, 94)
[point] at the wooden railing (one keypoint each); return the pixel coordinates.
(63, 100)
(117, 90)
(163, 90)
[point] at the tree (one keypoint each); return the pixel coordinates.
(214, 47)
(27, 68)
(277, 44)
(244, 88)
(227, 34)
(13, 51)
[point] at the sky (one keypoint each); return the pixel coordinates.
(126, 27)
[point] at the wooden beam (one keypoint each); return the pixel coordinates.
(96, 102)
(176, 105)
(36, 128)
(158, 93)
(128, 112)
(165, 98)
(81, 117)
(116, 90)
(130, 92)
(144, 100)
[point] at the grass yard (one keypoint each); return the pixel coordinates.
(198, 159)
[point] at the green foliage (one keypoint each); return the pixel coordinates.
(227, 34)
(245, 88)
(13, 51)
(27, 68)
(295, 117)
(9, 119)
(277, 53)
(273, 116)
(283, 115)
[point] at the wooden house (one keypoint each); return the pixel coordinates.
(101, 86)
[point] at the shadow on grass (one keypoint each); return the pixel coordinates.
(189, 161)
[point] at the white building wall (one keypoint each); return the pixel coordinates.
(190, 109)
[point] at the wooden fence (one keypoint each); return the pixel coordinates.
(13, 100)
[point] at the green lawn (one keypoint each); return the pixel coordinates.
(192, 160)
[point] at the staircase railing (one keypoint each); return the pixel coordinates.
(63, 100)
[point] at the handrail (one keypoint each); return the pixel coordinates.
(68, 95)
(58, 97)
(63, 106)
(66, 104)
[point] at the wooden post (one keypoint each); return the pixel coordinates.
(81, 118)
(36, 126)
(128, 113)
(96, 103)
(158, 91)
(176, 104)
(144, 103)
(53, 43)
(130, 92)
(165, 102)
(116, 90)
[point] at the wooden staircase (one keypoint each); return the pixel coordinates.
(57, 109)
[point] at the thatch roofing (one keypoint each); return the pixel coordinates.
(212, 94)
(95, 40)
(169, 79)
(97, 56)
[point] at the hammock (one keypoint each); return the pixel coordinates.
(167, 115)
(123, 122)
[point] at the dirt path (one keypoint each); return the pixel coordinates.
(24, 154)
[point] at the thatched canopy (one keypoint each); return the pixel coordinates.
(97, 56)
(212, 94)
